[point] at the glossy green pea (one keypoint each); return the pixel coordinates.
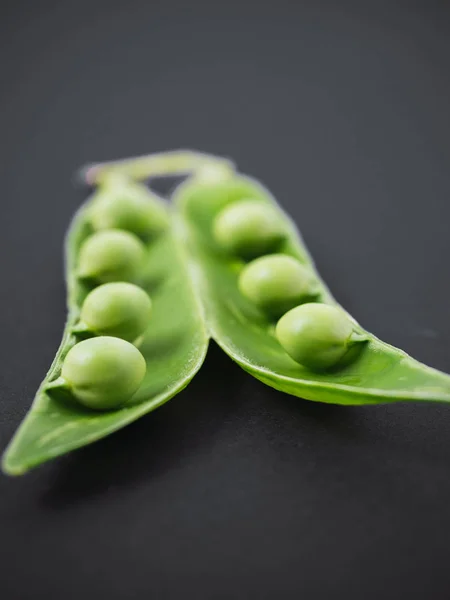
(103, 372)
(248, 228)
(121, 204)
(276, 283)
(116, 309)
(207, 198)
(111, 255)
(318, 336)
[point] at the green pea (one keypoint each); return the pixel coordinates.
(206, 198)
(111, 255)
(103, 372)
(121, 204)
(248, 228)
(119, 309)
(276, 283)
(318, 336)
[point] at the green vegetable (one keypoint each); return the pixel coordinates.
(276, 283)
(183, 264)
(248, 228)
(121, 204)
(217, 193)
(119, 309)
(102, 373)
(111, 255)
(173, 346)
(376, 373)
(318, 336)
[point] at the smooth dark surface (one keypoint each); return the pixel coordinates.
(232, 490)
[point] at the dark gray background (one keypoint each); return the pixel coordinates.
(232, 490)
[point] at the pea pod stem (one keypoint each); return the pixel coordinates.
(358, 338)
(58, 385)
(80, 328)
(161, 164)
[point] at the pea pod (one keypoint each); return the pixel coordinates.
(173, 346)
(377, 373)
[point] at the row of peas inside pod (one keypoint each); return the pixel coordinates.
(105, 368)
(316, 335)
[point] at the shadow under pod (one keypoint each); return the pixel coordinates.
(155, 443)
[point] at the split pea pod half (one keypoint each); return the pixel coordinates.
(269, 310)
(135, 333)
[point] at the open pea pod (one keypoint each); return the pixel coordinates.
(174, 347)
(379, 373)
